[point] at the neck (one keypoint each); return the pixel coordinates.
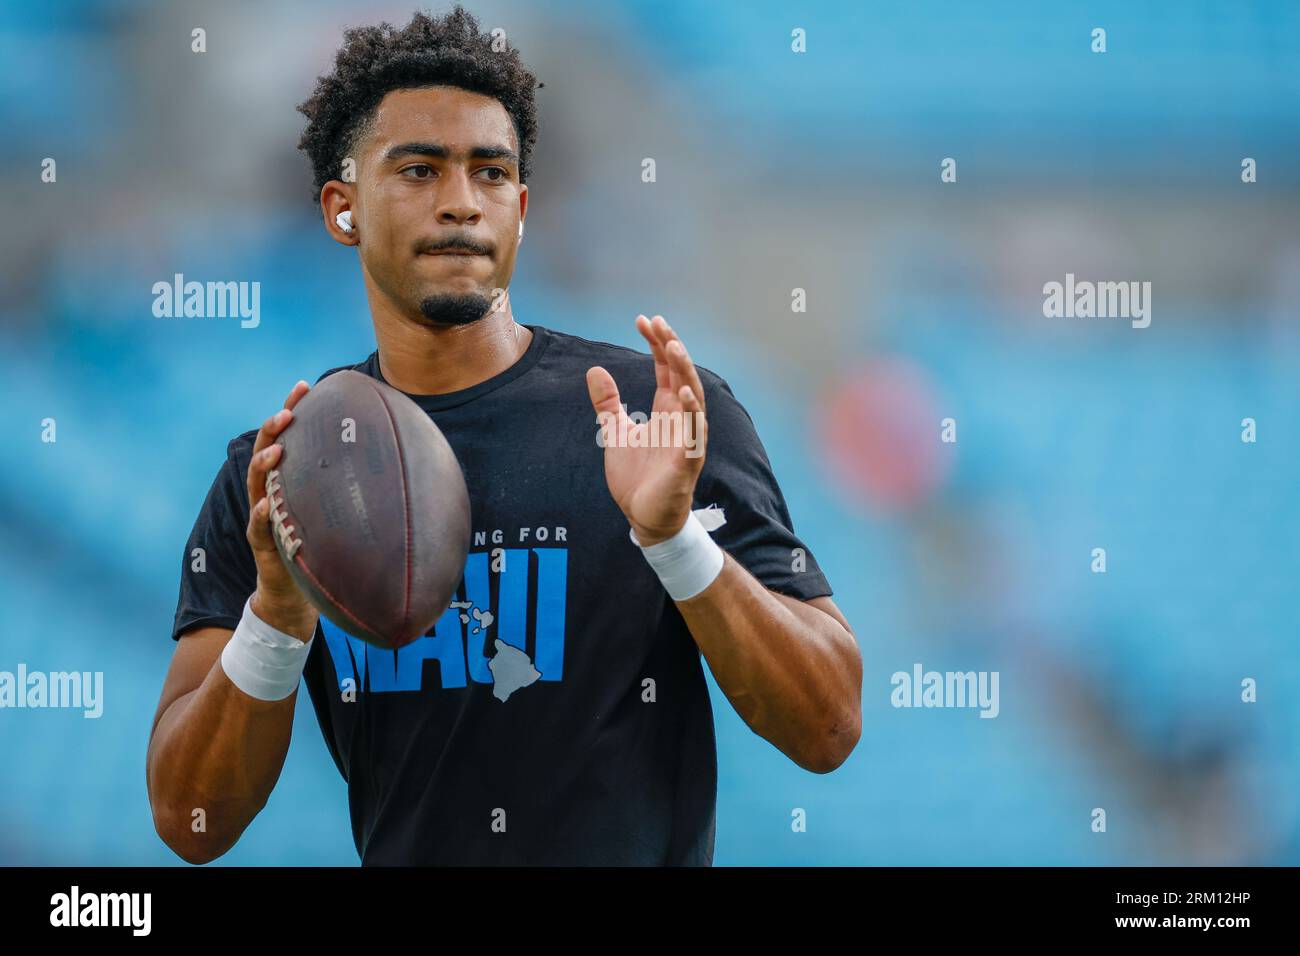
(431, 360)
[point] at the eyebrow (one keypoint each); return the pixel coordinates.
(441, 152)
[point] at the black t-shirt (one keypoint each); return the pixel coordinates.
(598, 747)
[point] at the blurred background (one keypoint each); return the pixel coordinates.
(775, 171)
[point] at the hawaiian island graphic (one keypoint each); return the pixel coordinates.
(511, 668)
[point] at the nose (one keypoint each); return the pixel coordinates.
(456, 204)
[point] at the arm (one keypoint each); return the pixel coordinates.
(791, 668)
(213, 747)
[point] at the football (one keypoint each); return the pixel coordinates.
(369, 509)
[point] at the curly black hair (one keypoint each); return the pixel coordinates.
(428, 51)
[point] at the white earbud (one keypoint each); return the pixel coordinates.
(521, 230)
(344, 221)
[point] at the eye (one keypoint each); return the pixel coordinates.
(424, 166)
(495, 169)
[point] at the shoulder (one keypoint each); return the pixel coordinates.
(239, 450)
(368, 365)
(241, 444)
(566, 346)
(230, 489)
(733, 441)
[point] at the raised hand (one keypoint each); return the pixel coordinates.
(654, 486)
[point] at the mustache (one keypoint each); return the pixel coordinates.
(454, 243)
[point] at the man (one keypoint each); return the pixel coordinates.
(598, 567)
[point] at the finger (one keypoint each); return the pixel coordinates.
(266, 436)
(259, 526)
(679, 360)
(271, 429)
(662, 330)
(299, 390)
(644, 326)
(262, 462)
(660, 335)
(697, 422)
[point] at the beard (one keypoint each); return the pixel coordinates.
(455, 308)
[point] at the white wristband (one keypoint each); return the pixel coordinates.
(261, 661)
(687, 562)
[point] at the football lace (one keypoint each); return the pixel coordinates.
(289, 542)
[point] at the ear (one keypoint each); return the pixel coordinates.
(338, 208)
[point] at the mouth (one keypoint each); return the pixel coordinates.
(456, 261)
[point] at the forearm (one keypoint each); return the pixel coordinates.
(792, 672)
(219, 751)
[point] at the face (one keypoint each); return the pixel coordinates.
(437, 203)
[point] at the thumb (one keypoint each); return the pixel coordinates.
(603, 392)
